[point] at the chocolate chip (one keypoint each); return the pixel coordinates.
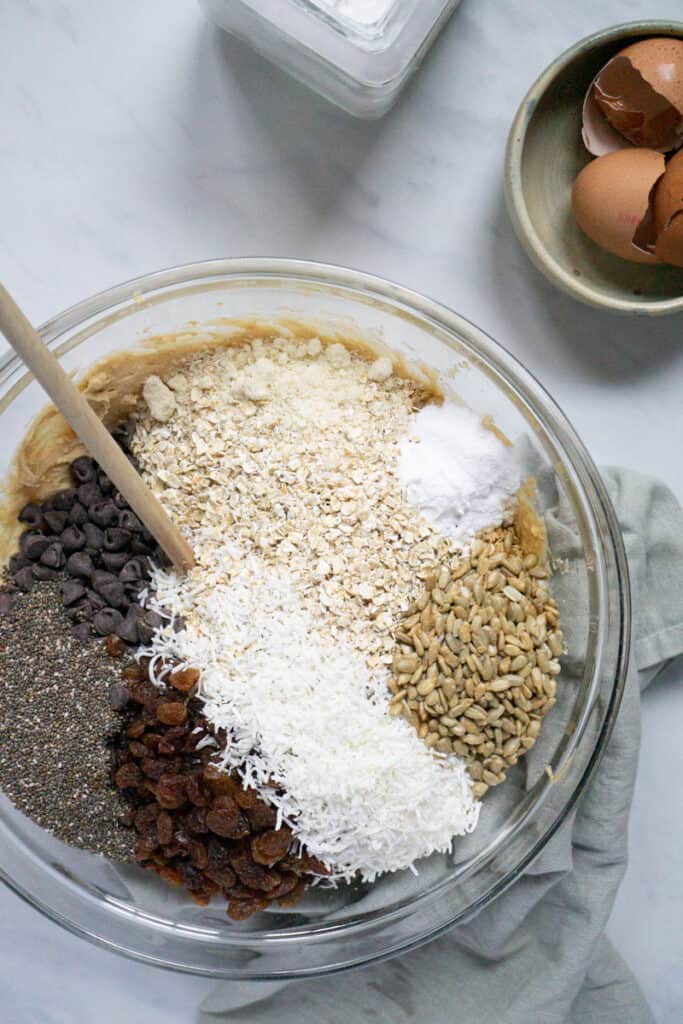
(132, 571)
(77, 515)
(18, 561)
(108, 621)
(119, 500)
(83, 470)
(63, 500)
(34, 544)
(148, 625)
(100, 578)
(82, 632)
(96, 600)
(24, 578)
(79, 564)
(115, 539)
(56, 520)
(72, 591)
(72, 539)
(53, 557)
(106, 486)
(80, 611)
(123, 433)
(104, 513)
(138, 546)
(128, 630)
(114, 594)
(44, 573)
(7, 602)
(118, 697)
(31, 514)
(94, 537)
(129, 521)
(114, 561)
(89, 494)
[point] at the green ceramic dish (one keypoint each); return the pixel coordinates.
(545, 153)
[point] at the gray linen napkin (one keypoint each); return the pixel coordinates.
(539, 952)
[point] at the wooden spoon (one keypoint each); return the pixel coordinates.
(46, 368)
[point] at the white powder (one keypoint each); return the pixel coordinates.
(364, 12)
(361, 791)
(456, 471)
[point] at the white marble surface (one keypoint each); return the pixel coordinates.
(136, 136)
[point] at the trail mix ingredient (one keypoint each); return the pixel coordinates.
(88, 538)
(477, 656)
(290, 450)
(55, 726)
(196, 825)
(359, 787)
(456, 471)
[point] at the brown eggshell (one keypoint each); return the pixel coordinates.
(668, 213)
(610, 199)
(637, 99)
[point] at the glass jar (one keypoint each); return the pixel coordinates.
(358, 56)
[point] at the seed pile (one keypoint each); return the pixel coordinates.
(55, 726)
(290, 451)
(477, 657)
(196, 825)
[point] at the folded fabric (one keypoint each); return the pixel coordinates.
(538, 953)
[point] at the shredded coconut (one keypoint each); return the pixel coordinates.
(361, 791)
(456, 471)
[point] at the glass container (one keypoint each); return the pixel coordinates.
(128, 910)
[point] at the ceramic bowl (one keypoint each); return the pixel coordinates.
(545, 153)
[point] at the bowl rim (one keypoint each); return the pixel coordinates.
(128, 295)
(524, 228)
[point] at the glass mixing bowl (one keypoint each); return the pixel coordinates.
(128, 910)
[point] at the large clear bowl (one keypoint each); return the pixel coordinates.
(129, 911)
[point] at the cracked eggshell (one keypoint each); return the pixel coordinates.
(637, 99)
(611, 198)
(668, 213)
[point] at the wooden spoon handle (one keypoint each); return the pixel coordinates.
(47, 369)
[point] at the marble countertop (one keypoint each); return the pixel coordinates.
(137, 136)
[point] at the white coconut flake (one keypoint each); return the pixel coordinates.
(359, 788)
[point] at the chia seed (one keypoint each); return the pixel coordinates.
(56, 720)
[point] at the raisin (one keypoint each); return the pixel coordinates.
(146, 816)
(135, 729)
(199, 854)
(225, 877)
(218, 781)
(134, 674)
(145, 847)
(225, 819)
(184, 679)
(153, 768)
(261, 816)
(137, 749)
(171, 875)
(242, 910)
(247, 798)
(165, 828)
(288, 883)
(172, 713)
(195, 821)
(253, 875)
(270, 847)
(128, 776)
(293, 897)
(170, 791)
(115, 646)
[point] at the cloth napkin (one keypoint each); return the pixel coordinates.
(538, 953)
